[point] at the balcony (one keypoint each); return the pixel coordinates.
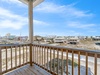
(40, 59)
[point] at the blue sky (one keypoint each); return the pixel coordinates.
(52, 17)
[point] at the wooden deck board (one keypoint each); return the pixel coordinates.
(28, 70)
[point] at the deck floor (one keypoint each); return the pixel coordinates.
(28, 70)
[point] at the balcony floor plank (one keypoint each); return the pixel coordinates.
(28, 70)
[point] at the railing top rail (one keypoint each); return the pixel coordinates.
(55, 47)
(68, 48)
(11, 45)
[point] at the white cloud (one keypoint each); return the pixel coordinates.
(15, 2)
(65, 33)
(9, 1)
(11, 20)
(48, 8)
(41, 23)
(11, 24)
(14, 21)
(77, 24)
(69, 10)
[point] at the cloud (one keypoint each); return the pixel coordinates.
(9, 1)
(78, 24)
(17, 2)
(10, 20)
(74, 17)
(40, 23)
(68, 10)
(47, 7)
(65, 33)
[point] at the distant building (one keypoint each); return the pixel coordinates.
(11, 37)
(8, 34)
(21, 38)
(96, 38)
(73, 40)
(59, 39)
(82, 37)
(47, 39)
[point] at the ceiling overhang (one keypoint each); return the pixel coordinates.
(35, 2)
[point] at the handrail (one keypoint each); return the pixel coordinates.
(56, 47)
(15, 54)
(53, 56)
(71, 49)
(12, 45)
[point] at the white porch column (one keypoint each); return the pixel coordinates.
(30, 8)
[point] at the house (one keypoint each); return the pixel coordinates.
(82, 37)
(73, 40)
(47, 39)
(96, 38)
(59, 39)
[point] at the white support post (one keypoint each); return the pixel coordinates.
(30, 8)
(0, 62)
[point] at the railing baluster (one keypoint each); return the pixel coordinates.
(23, 54)
(26, 53)
(66, 62)
(50, 61)
(86, 63)
(37, 55)
(42, 56)
(11, 57)
(54, 60)
(15, 56)
(33, 53)
(72, 62)
(62, 62)
(19, 56)
(47, 59)
(78, 63)
(57, 61)
(6, 60)
(95, 65)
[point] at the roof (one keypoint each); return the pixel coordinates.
(35, 2)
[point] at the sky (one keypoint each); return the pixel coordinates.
(51, 17)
